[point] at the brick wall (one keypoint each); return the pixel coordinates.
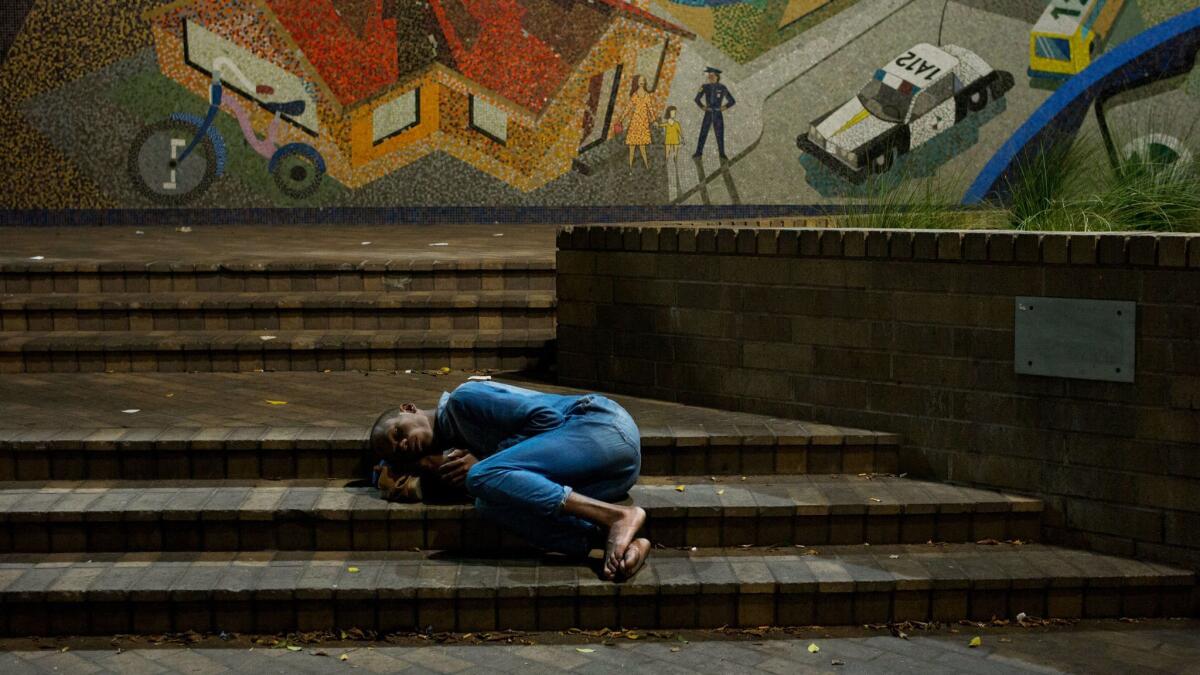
(912, 332)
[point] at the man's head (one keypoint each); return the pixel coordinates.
(713, 78)
(403, 434)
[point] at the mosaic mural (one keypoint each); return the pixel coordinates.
(534, 103)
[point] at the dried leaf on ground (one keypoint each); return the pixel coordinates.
(975, 641)
(813, 648)
(585, 650)
(271, 402)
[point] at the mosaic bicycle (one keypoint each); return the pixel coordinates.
(175, 161)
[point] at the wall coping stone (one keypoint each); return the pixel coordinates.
(779, 238)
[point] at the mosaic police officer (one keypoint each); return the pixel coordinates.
(713, 98)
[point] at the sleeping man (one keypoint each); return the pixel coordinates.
(545, 466)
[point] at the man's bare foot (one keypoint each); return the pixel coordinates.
(620, 534)
(635, 556)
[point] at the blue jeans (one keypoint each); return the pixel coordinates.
(595, 451)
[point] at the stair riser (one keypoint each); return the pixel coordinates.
(34, 461)
(305, 318)
(307, 531)
(261, 282)
(270, 612)
(231, 361)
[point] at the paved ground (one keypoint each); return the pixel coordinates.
(299, 243)
(316, 399)
(1087, 647)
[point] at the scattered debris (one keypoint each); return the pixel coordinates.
(813, 648)
(720, 492)
(585, 650)
(440, 243)
(37, 257)
(837, 662)
(276, 402)
(132, 411)
(364, 243)
(169, 395)
(345, 657)
(498, 234)
(876, 499)
(894, 556)
(352, 570)
(975, 642)
(184, 229)
(680, 488)
(480, 378)
(266, 338)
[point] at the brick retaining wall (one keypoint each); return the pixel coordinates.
(912, 332)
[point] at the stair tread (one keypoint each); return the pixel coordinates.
(245, 339)
(815, 495)
(434, 574)
(214, 300)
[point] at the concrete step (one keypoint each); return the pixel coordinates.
(313, 452)
(252, 350)
(271, 592)
(282, 273)
(362, 310)
(328, 516)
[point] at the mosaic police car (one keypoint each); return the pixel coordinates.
(921, 94)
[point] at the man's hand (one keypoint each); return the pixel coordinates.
(457, 464)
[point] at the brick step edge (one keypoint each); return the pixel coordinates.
(282, 266)
(307, 518)
(280, 300)
(272, 593)
(245, 351)
(350, 278)
(324, 452)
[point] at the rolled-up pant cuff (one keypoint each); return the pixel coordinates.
(563, 502)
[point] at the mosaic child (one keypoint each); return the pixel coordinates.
(672, 133)
(544, 466)
(638, 117)
(714, 99)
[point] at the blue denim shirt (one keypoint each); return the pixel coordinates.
(486, 417)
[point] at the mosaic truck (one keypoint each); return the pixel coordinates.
(142, 104)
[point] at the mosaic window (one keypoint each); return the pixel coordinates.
(397, 116)
(489, 119)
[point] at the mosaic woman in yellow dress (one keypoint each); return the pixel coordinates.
(638, 117)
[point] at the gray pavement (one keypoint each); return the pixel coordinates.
(1088, 647)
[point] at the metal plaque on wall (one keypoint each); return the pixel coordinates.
(1081, 339)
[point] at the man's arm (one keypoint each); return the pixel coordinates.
(699, 96)
(501, 409)
(729, 96)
